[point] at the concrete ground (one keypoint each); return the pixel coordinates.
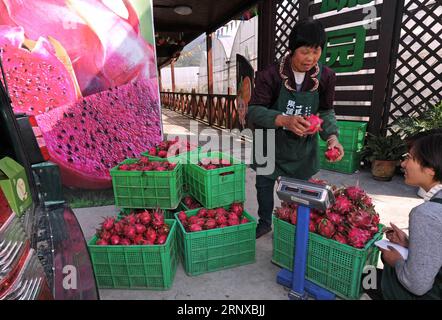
(393, 201)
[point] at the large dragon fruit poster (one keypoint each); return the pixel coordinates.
(86, 69)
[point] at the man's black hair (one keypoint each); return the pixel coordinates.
(307, 32)
(427, 150)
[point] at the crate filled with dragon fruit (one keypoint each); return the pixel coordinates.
(177, 150)
(341, 241)
(216, 239)
(217, 180)
(136, 250)
(143, 183)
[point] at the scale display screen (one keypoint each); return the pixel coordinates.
(306, 193)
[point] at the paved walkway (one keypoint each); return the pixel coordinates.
(393, 201)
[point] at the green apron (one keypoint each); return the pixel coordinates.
(295, 157)
(392, 289)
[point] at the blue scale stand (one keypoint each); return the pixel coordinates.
(307, 196)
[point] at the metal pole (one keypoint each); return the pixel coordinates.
(209, 76)
(300, 259)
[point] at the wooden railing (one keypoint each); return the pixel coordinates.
(214, 109)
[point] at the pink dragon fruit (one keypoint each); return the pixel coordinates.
(326, 228)
(341, 228)
(37, 80)
(315, 215)
(358, 237)
(355, 193)
(210, 224)
(334, 217)
(108, 223)
(373, 229)
(182, 216)
(332, 154)
(312, 226)
(283, 213)
(375, 219)
(366, 200)
(360, 219)
(88, 138)
(315, 123)
(105, 52)
(340, 238)
(342, 205)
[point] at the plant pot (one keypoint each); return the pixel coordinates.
(383, 170)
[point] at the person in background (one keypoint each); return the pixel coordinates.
(420, 276)
(284, 94)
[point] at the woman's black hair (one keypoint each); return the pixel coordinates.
(427, 150)
(307, 32)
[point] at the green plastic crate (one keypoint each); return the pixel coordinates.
(150, 267)
(330, 264)
(351, 135)
(350, 163)
(213, 189)
(147, 189)
(216, 249)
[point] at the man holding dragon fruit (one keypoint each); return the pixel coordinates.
(287, 97)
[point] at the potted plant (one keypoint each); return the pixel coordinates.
(421, 119)
(384, 153)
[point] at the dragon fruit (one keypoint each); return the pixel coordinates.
(326, 228)
(340, 238)
(105, 52)
(195, 228)
(182, 216)
(108, 223)
(367, 201)
(283, 213)
(355, 193)
(315, 123)
(332, 154)
(90, 137)
(360, 219)
(358, 237)
(341, 228)
(221, 219)
(37, 80)
(342, 205)
(201, 221)
(334, 217)
(210, 224)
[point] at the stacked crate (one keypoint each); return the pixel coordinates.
(351, 136)
(141, 266)
(220, 248)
